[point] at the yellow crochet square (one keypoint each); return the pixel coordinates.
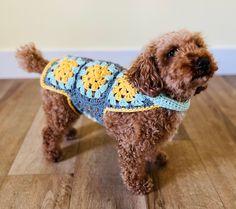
(64, 70)
(95, 77)
(124, 89)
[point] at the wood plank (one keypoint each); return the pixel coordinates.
(183, 182)
(5, 86)
(37, 191)
(8, 88)
(181, 134)
(214, 144)
(224, 95)
(201, 172)
(97, 182)
(17, 111)
(1, 180)
(231, 80)
(36, 163)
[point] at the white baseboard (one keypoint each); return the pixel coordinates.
(225, 56)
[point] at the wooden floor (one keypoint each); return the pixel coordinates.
(201, 172)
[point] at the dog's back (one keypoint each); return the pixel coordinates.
(85, 82)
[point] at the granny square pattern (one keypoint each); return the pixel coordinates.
(93, 87)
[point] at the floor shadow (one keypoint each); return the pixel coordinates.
(92, 135)
(89, 137)
(88, 128)
(181, 162)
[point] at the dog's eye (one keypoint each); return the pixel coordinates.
(199, 45)
(172, 52)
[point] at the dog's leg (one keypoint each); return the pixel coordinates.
(133, 172)
(60, 118)
(132, 147)
(157, 157)
(51, 144)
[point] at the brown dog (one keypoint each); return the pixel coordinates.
(177, 64)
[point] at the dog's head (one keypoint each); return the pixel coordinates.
(177, 64)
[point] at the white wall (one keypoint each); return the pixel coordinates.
(10, 69)
(112, 23)
(104, 28)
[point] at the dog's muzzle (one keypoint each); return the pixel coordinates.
(201, 66)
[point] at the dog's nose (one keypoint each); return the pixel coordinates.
(203, 63)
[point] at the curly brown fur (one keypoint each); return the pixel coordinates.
(137, 135)
(177, 64)
(31, 59)
(154, 71)
(60, 118)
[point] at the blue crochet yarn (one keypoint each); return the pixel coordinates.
(94, 96)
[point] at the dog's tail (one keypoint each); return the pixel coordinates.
(30, 58)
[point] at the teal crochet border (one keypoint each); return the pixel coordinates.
(168, 103)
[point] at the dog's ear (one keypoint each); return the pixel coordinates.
(144, 74)
(200, 89)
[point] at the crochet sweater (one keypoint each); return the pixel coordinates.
(94, 87)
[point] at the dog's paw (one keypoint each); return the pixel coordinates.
(71, 135)
(141, 187)
(161, 159)
(146, 186)
(54, 156)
